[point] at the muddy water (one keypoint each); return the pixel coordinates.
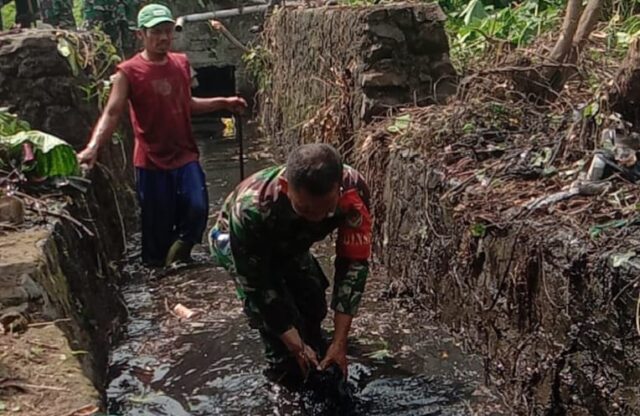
(212, 363)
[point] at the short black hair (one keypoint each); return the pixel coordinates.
(316, 168)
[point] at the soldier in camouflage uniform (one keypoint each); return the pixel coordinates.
(58, 13)
(263, 235)
(116, 18)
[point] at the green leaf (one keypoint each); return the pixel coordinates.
(542, 158)
(478, 230)
(591, 110)
(468, 128)
(474, 11)
(596, 230)
(380, 354)
(400, 124)
(619, 259)
(54, 156)
(11, 124)
(66, 50)
(3, 406)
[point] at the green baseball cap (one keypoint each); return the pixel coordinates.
(153, 14)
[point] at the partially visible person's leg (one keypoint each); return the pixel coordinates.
(157, 198)
(307, 284)
(191, 213)
(60, 14)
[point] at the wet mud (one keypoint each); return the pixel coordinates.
(212, 363)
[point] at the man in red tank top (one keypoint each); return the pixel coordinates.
(156, 84)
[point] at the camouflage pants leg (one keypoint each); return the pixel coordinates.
(58, 13)
(26, 12)
(305, 286)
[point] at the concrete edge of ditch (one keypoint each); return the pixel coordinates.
(60, 305)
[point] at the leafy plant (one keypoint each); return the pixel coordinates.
(474, 26)
(258, 64)
(10, 124)
(95, 56)
(53, 156)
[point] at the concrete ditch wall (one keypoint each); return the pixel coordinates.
(539, 300)
(56, 275)
(343, 66)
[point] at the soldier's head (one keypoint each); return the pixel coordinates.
(313, 178)
(156, 28)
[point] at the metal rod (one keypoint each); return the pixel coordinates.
(218, 14)
(238, 125)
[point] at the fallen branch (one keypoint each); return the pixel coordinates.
(638, 315)
(62, 215)
(8, 383)
(87, 410)
(39, 324)
(43, 345)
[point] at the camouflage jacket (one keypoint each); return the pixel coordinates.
(265, 231)
(58, 13)
(111, 11)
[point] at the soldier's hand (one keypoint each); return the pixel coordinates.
(305, 356)
(336, 354)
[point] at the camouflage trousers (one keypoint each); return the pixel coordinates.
(58, 13)
(304, 287)
(116, 18)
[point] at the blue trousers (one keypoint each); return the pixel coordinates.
(174, 205)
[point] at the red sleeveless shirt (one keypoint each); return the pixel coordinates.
(160, 108)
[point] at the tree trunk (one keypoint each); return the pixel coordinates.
(588, 21)
(569, 26)
(578, 23)
(624, 94)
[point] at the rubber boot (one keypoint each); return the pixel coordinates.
(180, 251)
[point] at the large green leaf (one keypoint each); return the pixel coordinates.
(54, 156)
(11, 124)
(474, 11)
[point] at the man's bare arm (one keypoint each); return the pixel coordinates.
(209, 105)
(108, 121)
(110, 117)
